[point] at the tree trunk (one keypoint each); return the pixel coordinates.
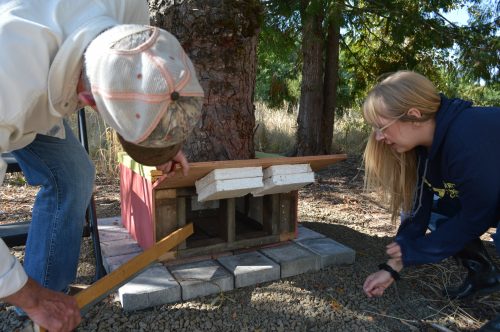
(220, 37)
(331, 78)
(310, 117)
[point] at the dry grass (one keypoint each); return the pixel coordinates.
(350, 133)
(276, 131)
(433, 278)
(103, 143)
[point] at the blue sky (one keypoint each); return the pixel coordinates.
(458, 16)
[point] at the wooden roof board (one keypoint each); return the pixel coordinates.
(198, 170)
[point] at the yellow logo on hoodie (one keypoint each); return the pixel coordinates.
(449, 189)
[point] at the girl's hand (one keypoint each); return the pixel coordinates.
(377, 282)
(394, 250)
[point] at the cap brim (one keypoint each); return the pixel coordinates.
(149, 156)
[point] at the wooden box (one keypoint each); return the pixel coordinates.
(152, 207)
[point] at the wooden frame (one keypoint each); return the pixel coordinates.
(154, 206)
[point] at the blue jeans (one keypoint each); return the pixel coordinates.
(66, 174)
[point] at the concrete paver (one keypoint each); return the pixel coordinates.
(293, 259)
(330, 251)
(305, 233)
(114, 262)
(250, 268)
(111, 221)
(154, 286)
(119, 247)
(202, 278)
(113, 234)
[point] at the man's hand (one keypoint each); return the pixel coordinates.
(377, 282)
(52, 310)
(168, 168)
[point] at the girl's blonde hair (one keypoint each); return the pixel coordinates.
(395, 174)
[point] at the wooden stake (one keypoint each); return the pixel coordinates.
(129, 270)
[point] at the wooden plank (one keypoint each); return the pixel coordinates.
(165, 194)
(288, 236)
(130, 269)
(271, 214)
(127, 161)
(227, 222)
(165, 213)
(289, 211)
(231, 220)
(200, 169)
(225, 246)
(137, 200)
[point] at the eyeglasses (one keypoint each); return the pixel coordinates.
(380, 131)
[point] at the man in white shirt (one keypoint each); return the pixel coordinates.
(63, 54)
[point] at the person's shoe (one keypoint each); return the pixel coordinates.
(483, 275)
(492, 326)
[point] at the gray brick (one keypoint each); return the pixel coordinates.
(114, 262)
(202, 278)
(305, 233)
(107, 235)
(119, 247)
(154, 286)
(250, 268)
(293, 259)
(330, 251)
(112, 221)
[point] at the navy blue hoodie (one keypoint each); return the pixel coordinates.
(462, 167)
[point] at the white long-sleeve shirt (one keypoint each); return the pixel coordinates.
(12, 275)
(43, 42)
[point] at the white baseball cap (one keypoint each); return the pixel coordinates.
(145, 87)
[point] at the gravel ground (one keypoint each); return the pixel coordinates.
(327, 300)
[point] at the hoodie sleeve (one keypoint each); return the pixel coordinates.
(475, 172)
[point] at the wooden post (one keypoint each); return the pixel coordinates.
(288, 215)
(227, 219)
(271, 214)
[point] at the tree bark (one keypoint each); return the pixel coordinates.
(220, 37)
(310, 117)
(331, 77)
